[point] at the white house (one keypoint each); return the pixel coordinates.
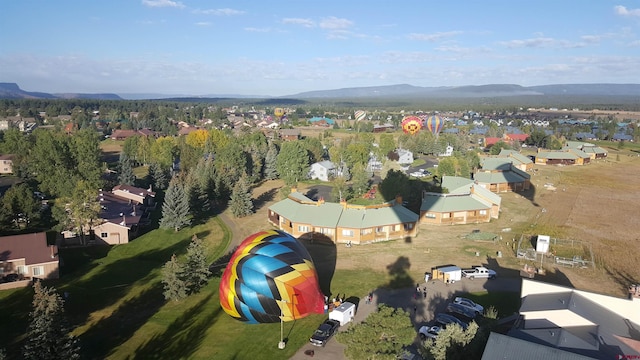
(448, 151)
(404, 156)
(323, 170)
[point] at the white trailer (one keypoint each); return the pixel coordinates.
(343, 313)
(448, 274)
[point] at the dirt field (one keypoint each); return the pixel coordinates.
(598, 203)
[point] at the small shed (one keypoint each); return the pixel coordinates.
(343, 313)
(542, 244)
(448, 274)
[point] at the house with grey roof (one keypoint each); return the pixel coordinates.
(594, 151)
(566, 156)
(342, 222)
(499, 175)
(466, 202)
(518, 160)
(323, 170)
(555, 321)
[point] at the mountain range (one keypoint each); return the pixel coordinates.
(13, 91)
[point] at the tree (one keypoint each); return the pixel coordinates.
(175, 288)
(240, 203)
(82, 208)
(125, 175)
(292, 162)
(196, 270)
(395, 183)
(20, 205)
(270, 170)
(48, 335)
(175, 209)
(158, 176)
(452, 343)
(360, 179)
(382, 335)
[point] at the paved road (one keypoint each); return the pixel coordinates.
(438, 295)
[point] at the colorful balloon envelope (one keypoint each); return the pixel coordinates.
(360, 115)
(270, 276)
(434, 124)
(278, 112)
(411, 124)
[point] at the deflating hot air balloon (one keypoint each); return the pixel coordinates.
(271, 275)
(434, 123)
(411, 124)
(360, 115)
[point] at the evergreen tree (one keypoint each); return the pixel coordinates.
(48, 334)
(292, 162)
(175, 209)
(175, 288)
(196, 269)
(126, 175)
(198, 201)
(270, 170)
(241, 204)
(360, 179)
(158, 176)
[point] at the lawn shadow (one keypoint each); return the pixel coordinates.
(622, 278)
(183, 337)
(15, 311)
(114, 330)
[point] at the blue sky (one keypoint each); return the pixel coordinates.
(274, 48)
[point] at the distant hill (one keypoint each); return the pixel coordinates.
(13, 91)
(400, 91)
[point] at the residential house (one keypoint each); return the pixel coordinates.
(121, 134)
(145, 197)
(567, 156)
(466, 202)
(447, 152)
(290, 134)
(558, 321)
(404, 156)
(30, 256)
(321, 121)
(323, 170)
(500, 175)
(383, 128)
(6, 164)
(518, 160)
(595, 152)
(341, 222)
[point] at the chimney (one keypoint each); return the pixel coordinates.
(343, 202)
(294, 189)
(320, 201)
(399, 199)
(150, 188)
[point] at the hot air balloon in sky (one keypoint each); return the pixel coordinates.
(271, 275)
(434, 124)
(411, 124)
(360, 115)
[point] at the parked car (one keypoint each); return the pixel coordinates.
(324, 332)
(11, 277)
(417, 174)
(429, 332)
(461, 312)
(445, 319)
(479, 272)
(470, 304)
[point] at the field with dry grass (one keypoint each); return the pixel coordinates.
(597, 204)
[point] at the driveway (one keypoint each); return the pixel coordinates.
(421, 309)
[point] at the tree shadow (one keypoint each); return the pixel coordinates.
(399, 273)
(622, 278)
(182, 338)
(114, 330)
(264, 198)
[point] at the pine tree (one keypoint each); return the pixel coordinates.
(158, 176)
(175, 209)
(196, 269)
(48, 334)
(198, 201)
(240, 203)
(270, 169)
(126, 175)
(175, 287)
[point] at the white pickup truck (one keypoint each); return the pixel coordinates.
(479, 272)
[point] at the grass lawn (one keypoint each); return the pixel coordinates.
(505, 302)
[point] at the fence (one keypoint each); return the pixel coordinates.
(577, 248)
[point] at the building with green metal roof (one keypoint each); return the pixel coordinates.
(566, 156)
(467, 202)
(342, 222)
(595, 152)
(500, 175)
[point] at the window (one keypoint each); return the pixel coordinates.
(104, 235)
(430, 215)
(380, 229)
(446, 215)
(483, 212)
(37, 270)
(21, 269)
(396, 227)
(408, 226)
(365, 231)
(303, 228)
(347, 232)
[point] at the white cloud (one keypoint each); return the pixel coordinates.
(546, 42)
(308, 23)
(258, 30)
(219, 12)
(203, 23)
(334, 23)
(623, 11)
(433, 37)
(163, 3)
